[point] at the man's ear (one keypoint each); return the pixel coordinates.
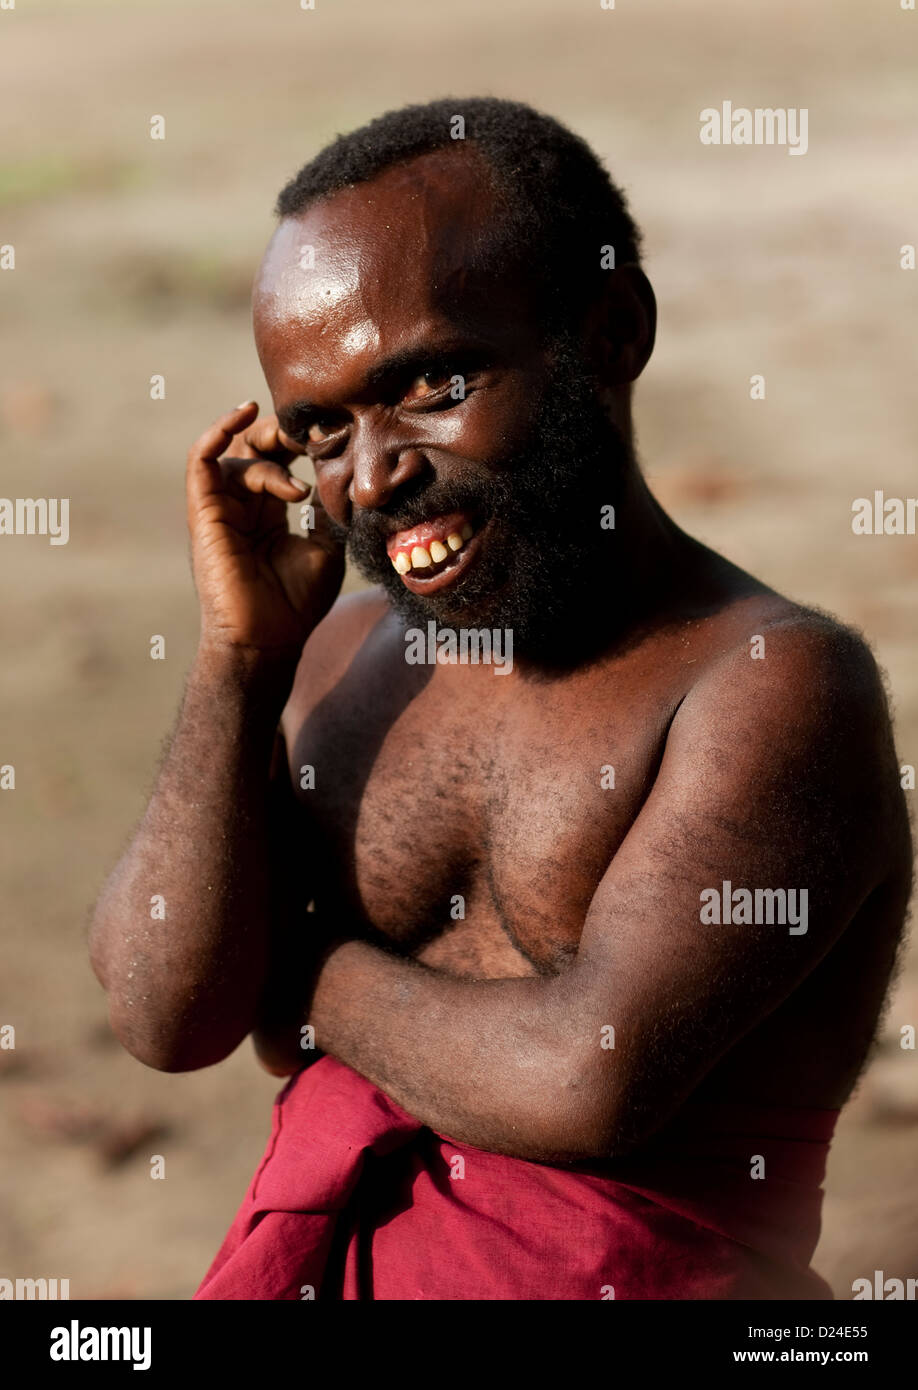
(622, 326)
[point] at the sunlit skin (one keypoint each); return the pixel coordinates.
(581, 902)
(379, 418)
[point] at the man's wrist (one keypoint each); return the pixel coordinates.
(257, 669)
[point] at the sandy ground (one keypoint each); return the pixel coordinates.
(134, 257)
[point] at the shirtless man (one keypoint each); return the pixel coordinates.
(496, 870)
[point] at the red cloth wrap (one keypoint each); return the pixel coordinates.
(356, 1199)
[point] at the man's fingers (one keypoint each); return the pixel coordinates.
(264, 439)
(203, 477)
(259, 467)
(261, 475)
(216, 440)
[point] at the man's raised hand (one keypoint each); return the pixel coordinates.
(260, 587)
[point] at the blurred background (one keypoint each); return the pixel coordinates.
(134, 257)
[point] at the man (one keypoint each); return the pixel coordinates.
(586, 943)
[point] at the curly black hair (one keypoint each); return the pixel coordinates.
(559, 211)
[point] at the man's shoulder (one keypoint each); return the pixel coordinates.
(801, 656)
(800, 700)
(347, 624)
(332, 646)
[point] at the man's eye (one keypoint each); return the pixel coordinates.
(427, 382)
(318, 431)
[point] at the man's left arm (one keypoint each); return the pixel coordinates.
(775, 776)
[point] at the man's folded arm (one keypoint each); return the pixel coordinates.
(773, 780)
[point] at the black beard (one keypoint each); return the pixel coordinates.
(545, 552)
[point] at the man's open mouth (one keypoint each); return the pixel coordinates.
(433, 554)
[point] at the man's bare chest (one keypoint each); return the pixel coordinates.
(474, 833)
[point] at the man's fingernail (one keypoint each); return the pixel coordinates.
(304, 487)
(242, 404)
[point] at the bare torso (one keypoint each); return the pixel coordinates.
(447, 788)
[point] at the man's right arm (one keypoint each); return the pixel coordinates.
(181, 934)
(179, 938)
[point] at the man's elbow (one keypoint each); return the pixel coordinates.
(163, 1047)
(587, 1114)
(275, 1053)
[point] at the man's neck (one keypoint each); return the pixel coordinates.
(626, 591)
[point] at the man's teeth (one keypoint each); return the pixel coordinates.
(422, 557)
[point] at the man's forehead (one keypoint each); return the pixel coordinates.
(397, 246)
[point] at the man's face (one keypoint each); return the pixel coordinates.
(464, 457)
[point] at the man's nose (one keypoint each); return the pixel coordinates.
(381, 466)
